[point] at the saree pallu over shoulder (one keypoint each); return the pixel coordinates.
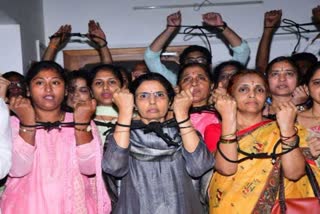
(248, 185)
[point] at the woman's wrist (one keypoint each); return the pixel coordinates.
(222, 27)
(288, 132)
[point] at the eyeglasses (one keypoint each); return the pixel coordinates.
(82, 90)
(158, 95)
(200, 60)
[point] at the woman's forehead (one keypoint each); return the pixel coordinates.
(249, 79)
(151, 85)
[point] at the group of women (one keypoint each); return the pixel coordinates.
(88, 143)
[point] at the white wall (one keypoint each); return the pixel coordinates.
(126, 27)
(29, 15)
(10, 43)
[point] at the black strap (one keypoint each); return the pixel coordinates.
(82, 35)
(110, 125)
(155, 127)
(201, 109)
(53, 125)
(273, 155)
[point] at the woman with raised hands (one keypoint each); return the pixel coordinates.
(250, 149)
(284, 79)
(310, 118)
(198, 77)
(95, 33)
(155, 159)
(54, 153)
(105, 80)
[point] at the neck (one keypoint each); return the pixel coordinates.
(106, 111)
(199, 104)
(278, 99)
(49, 116)
(315, 110)
(245, 120)
(147, 121)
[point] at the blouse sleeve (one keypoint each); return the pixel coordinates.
(241, 53)
(22, 155)
(86, 158)
(199, 161)
(89, 152)
(154, 64)
(115, 160)
(5, 140)
(211, 136)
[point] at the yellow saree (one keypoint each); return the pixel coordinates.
(250, 190)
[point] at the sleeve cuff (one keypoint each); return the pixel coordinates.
(86, 150)
(23, 147)
(241, 48)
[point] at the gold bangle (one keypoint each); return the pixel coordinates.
(284, 138)
(228, 141)
(228, 136)
(87, 129)
(27, 130)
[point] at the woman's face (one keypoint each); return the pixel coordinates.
(47, 90)
(16, 87)
(226, 74)
(152, 101)
(196, 57)
(103, 86)
(282, 79)
(197, 78)
(138, 70)
(125, 79)
(314, 87)
(78, 91)
(250, 93)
